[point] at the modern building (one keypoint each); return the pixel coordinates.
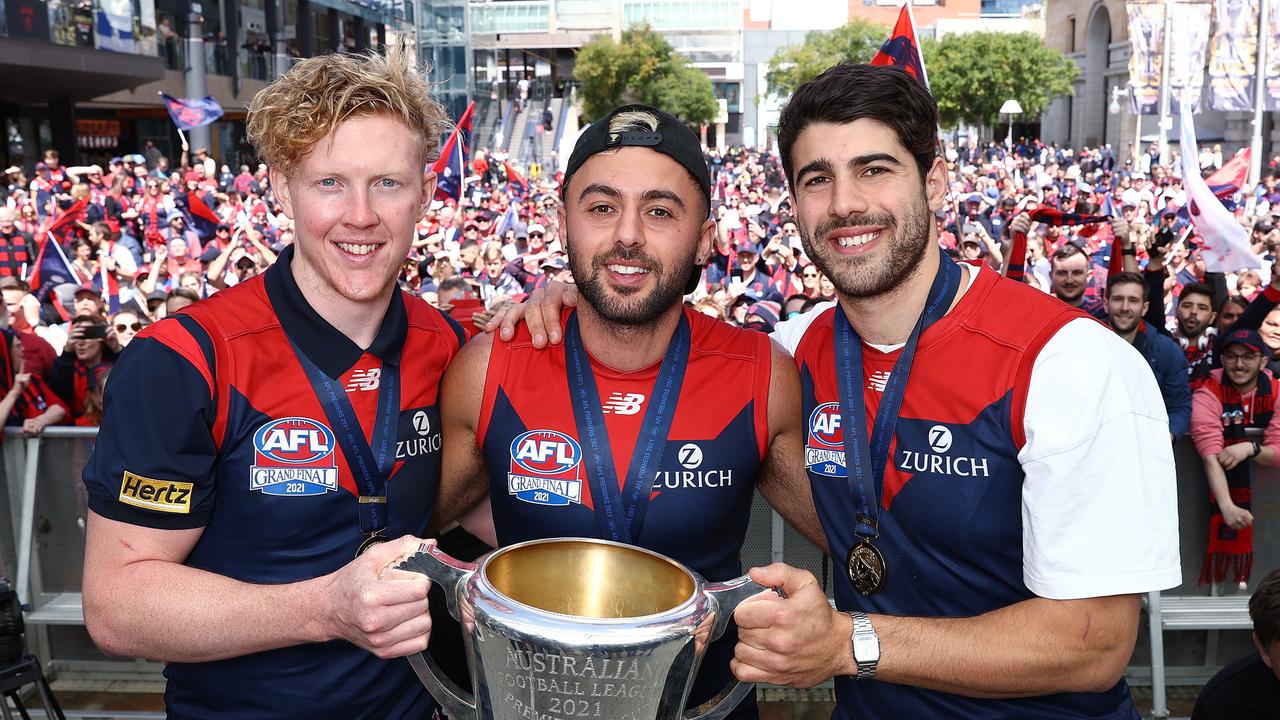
(771, 25)
(535, 41)
(85, 78)
(1096, 36)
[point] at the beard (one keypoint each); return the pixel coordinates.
(1190, 327)
(1123, 325)
(866, 276)
(627, 305)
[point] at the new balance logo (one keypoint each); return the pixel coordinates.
(620, 404)
(878, 380)
(365, 380)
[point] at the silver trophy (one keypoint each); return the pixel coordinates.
(579, 628)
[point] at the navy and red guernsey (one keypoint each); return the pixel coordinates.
(950, 520)
(210, 422)
(700, 502)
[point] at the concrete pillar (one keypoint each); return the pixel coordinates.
(62, 126)
(335, 31)
(1239, 129)
(196, 82)
(382, 35)
(306, 29)
(362, 34)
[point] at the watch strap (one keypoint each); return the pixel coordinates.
(862, 628)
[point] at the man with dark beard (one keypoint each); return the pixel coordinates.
(651, 423)
(1126, 306)
(1007, 492)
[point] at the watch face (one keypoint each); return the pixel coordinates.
(866, 648)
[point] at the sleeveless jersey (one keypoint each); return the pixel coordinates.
(249, 455)
(950, 515)
(703, 486)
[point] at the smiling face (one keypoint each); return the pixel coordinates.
(634, 224)
(865, 214)
(354, 200)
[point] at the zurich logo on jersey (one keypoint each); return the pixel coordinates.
(824, 443)
(544, 468)
(293, 456)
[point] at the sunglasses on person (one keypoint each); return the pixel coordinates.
(535, 235)
(809, 274)
(121, 327)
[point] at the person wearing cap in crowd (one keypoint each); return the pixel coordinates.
(553, 268)
(1127, 304)
(1239, 396)
(86, 355)
(1249, 688)
(322, 348)
(750, 273)
(635, 223)
(763, 316)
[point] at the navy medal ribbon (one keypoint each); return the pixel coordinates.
(866, 461)
(370, 464)
(620, 511)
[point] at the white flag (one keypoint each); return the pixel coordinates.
(1224, 242)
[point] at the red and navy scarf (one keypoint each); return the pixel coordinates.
(1231, 550)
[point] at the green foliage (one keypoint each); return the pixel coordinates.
(972, 75)
(643, 67)
(790, 67)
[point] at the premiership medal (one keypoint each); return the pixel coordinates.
(375, 538)
(866, 567)
(865, 459)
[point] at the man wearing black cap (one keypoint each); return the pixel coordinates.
(660, 419)
(1237, 397)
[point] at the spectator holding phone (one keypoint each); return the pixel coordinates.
(75, 372)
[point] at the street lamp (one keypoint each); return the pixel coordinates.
(1010, 108)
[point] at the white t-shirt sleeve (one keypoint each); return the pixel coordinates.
(789, 333)
(1099, 502)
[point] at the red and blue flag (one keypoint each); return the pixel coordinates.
(902, 49)
(189, 113)
(451, 167)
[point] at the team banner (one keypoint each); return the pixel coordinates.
(1190, 44)
(1273, 59)
(1146, 39)
(1233, 56)
(113, 25)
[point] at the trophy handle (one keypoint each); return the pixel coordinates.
(728, 595)
(444, 570)
(443, 690)
(447, 572)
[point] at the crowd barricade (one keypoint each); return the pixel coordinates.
(42, 532)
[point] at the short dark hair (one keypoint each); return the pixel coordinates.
(453, 283)
(1264, 609)
(185, 293)
(1069, 250)
(1199, 289)
(847, 92)
(1122, 278)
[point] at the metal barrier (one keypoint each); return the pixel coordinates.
(42, 524)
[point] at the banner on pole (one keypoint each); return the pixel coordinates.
(1234, 55)
(1146, 39)
(1190, 44)
(1273, 59)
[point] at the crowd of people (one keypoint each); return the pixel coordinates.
(146, 236)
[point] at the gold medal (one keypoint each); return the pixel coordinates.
(866, 567)
(373, 539)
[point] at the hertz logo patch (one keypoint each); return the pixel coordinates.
(168, 496)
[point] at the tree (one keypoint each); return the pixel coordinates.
(644, 68)
(792, 66)
(972, 75)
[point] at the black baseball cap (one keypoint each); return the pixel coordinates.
(672, 138)
(1243, 336)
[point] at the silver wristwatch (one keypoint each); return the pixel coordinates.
(866, 646)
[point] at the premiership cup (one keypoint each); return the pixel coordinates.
(579, 628)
